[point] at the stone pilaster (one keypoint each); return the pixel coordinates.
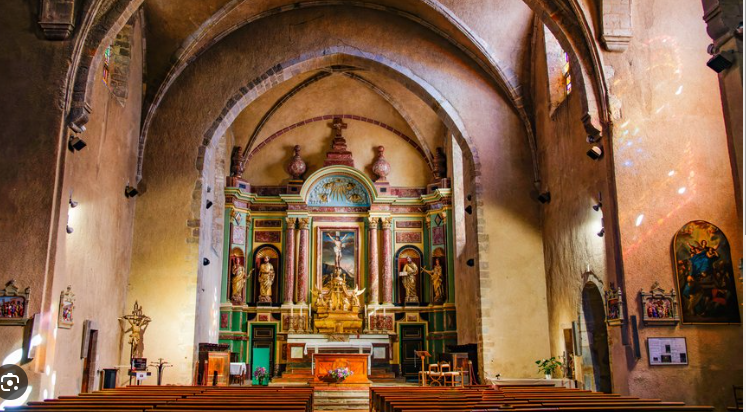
(289, 260)
(303, 259)
(388, 278)
(373, 296)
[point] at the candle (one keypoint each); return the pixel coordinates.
(291, 311)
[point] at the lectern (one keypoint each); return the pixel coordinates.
(422, 354)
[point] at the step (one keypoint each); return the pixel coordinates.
(341, 394)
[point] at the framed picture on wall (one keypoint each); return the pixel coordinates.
(67, 306)
(337, 247)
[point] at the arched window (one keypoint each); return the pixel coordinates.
(116, 62)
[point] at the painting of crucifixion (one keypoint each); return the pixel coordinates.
(338, 249)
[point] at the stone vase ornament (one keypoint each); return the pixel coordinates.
(297, 166)
(381, 167)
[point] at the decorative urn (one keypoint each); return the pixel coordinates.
(297, 166)
(381, 167)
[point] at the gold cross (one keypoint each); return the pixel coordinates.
(338, 125)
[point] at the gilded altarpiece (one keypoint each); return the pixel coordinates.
(337, 225)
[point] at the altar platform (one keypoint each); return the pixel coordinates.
(302, 360)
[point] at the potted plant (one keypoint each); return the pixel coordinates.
(547, 366)
(261, 375)
(339, 374)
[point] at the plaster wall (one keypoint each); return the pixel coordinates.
(572, 248)
(671, 156)
(95, 258)
(162, 261)
(408, 168)
(37, 173)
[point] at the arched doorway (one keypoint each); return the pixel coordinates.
(596, 372)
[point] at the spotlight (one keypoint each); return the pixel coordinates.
(68, 229)
(470, 263)
(468, 209)
(130, 191)
(73, 203)
(205, 261)
(76, 128)
(75, 143)
(597, 206)
(601, 232)
(595, 152)
(720, 62)
(593, 139)
(208, 205)
(544, 197)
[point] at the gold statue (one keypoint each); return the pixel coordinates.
(337, 308)
(238, 281)
(138, 324)
(409, 281)
(266, 279)
(436, 277)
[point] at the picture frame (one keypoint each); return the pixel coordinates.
(65, 318)
(659, 307)
(14, 305)
(349, 237)
(667, 351)
(614, 307)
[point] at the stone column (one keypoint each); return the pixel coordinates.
(289, 260)
(388, 277)
(373, 296)
(303, 259)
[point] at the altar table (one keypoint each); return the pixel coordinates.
(356, 362)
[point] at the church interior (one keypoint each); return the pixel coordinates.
(339, 195)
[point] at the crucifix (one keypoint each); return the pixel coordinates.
(338, 125)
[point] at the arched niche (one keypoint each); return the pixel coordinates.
(275, 259)
(400, 260)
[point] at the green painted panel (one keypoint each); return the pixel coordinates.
(259, 358)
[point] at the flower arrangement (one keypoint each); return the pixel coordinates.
(340, 374)
(547, 366)
(260, 373)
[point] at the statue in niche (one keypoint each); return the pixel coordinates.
(436, 277)
(409, 281)
(266, 279)
(238, 281)
(138, 324)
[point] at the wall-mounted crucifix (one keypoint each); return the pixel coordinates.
(338, 125)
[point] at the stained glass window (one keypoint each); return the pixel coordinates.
(107, 61)
(566, 75)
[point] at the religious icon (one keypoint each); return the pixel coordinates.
(65, 316)
(659, 307)
(436, 278)
(338, 250)
(409, 281)
(138, 325)
(14, 305)
(238, 279)
(704, 273)
(266, 279)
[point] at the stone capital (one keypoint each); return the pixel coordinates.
(303, 223)
(385, 223)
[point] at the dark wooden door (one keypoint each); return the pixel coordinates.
(412, 339)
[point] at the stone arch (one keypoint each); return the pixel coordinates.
(593, 335)
(100, 35)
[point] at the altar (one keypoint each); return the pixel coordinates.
(373, 347)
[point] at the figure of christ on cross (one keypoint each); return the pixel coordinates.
(338, 245)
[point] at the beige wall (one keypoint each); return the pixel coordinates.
(512, 217)
(671, 120)
(95, 258)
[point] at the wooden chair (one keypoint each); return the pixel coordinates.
(434, 376)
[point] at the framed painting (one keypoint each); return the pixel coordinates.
(704, 274)
(67, 305)
(337, 247)
(14, 305)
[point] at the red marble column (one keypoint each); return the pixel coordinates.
(388, 277)
(373, 296)
(303, 259)
(289, 260)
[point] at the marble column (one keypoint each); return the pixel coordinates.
(388, 277)
(373, 296)
(303, 259)
(289, 260)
